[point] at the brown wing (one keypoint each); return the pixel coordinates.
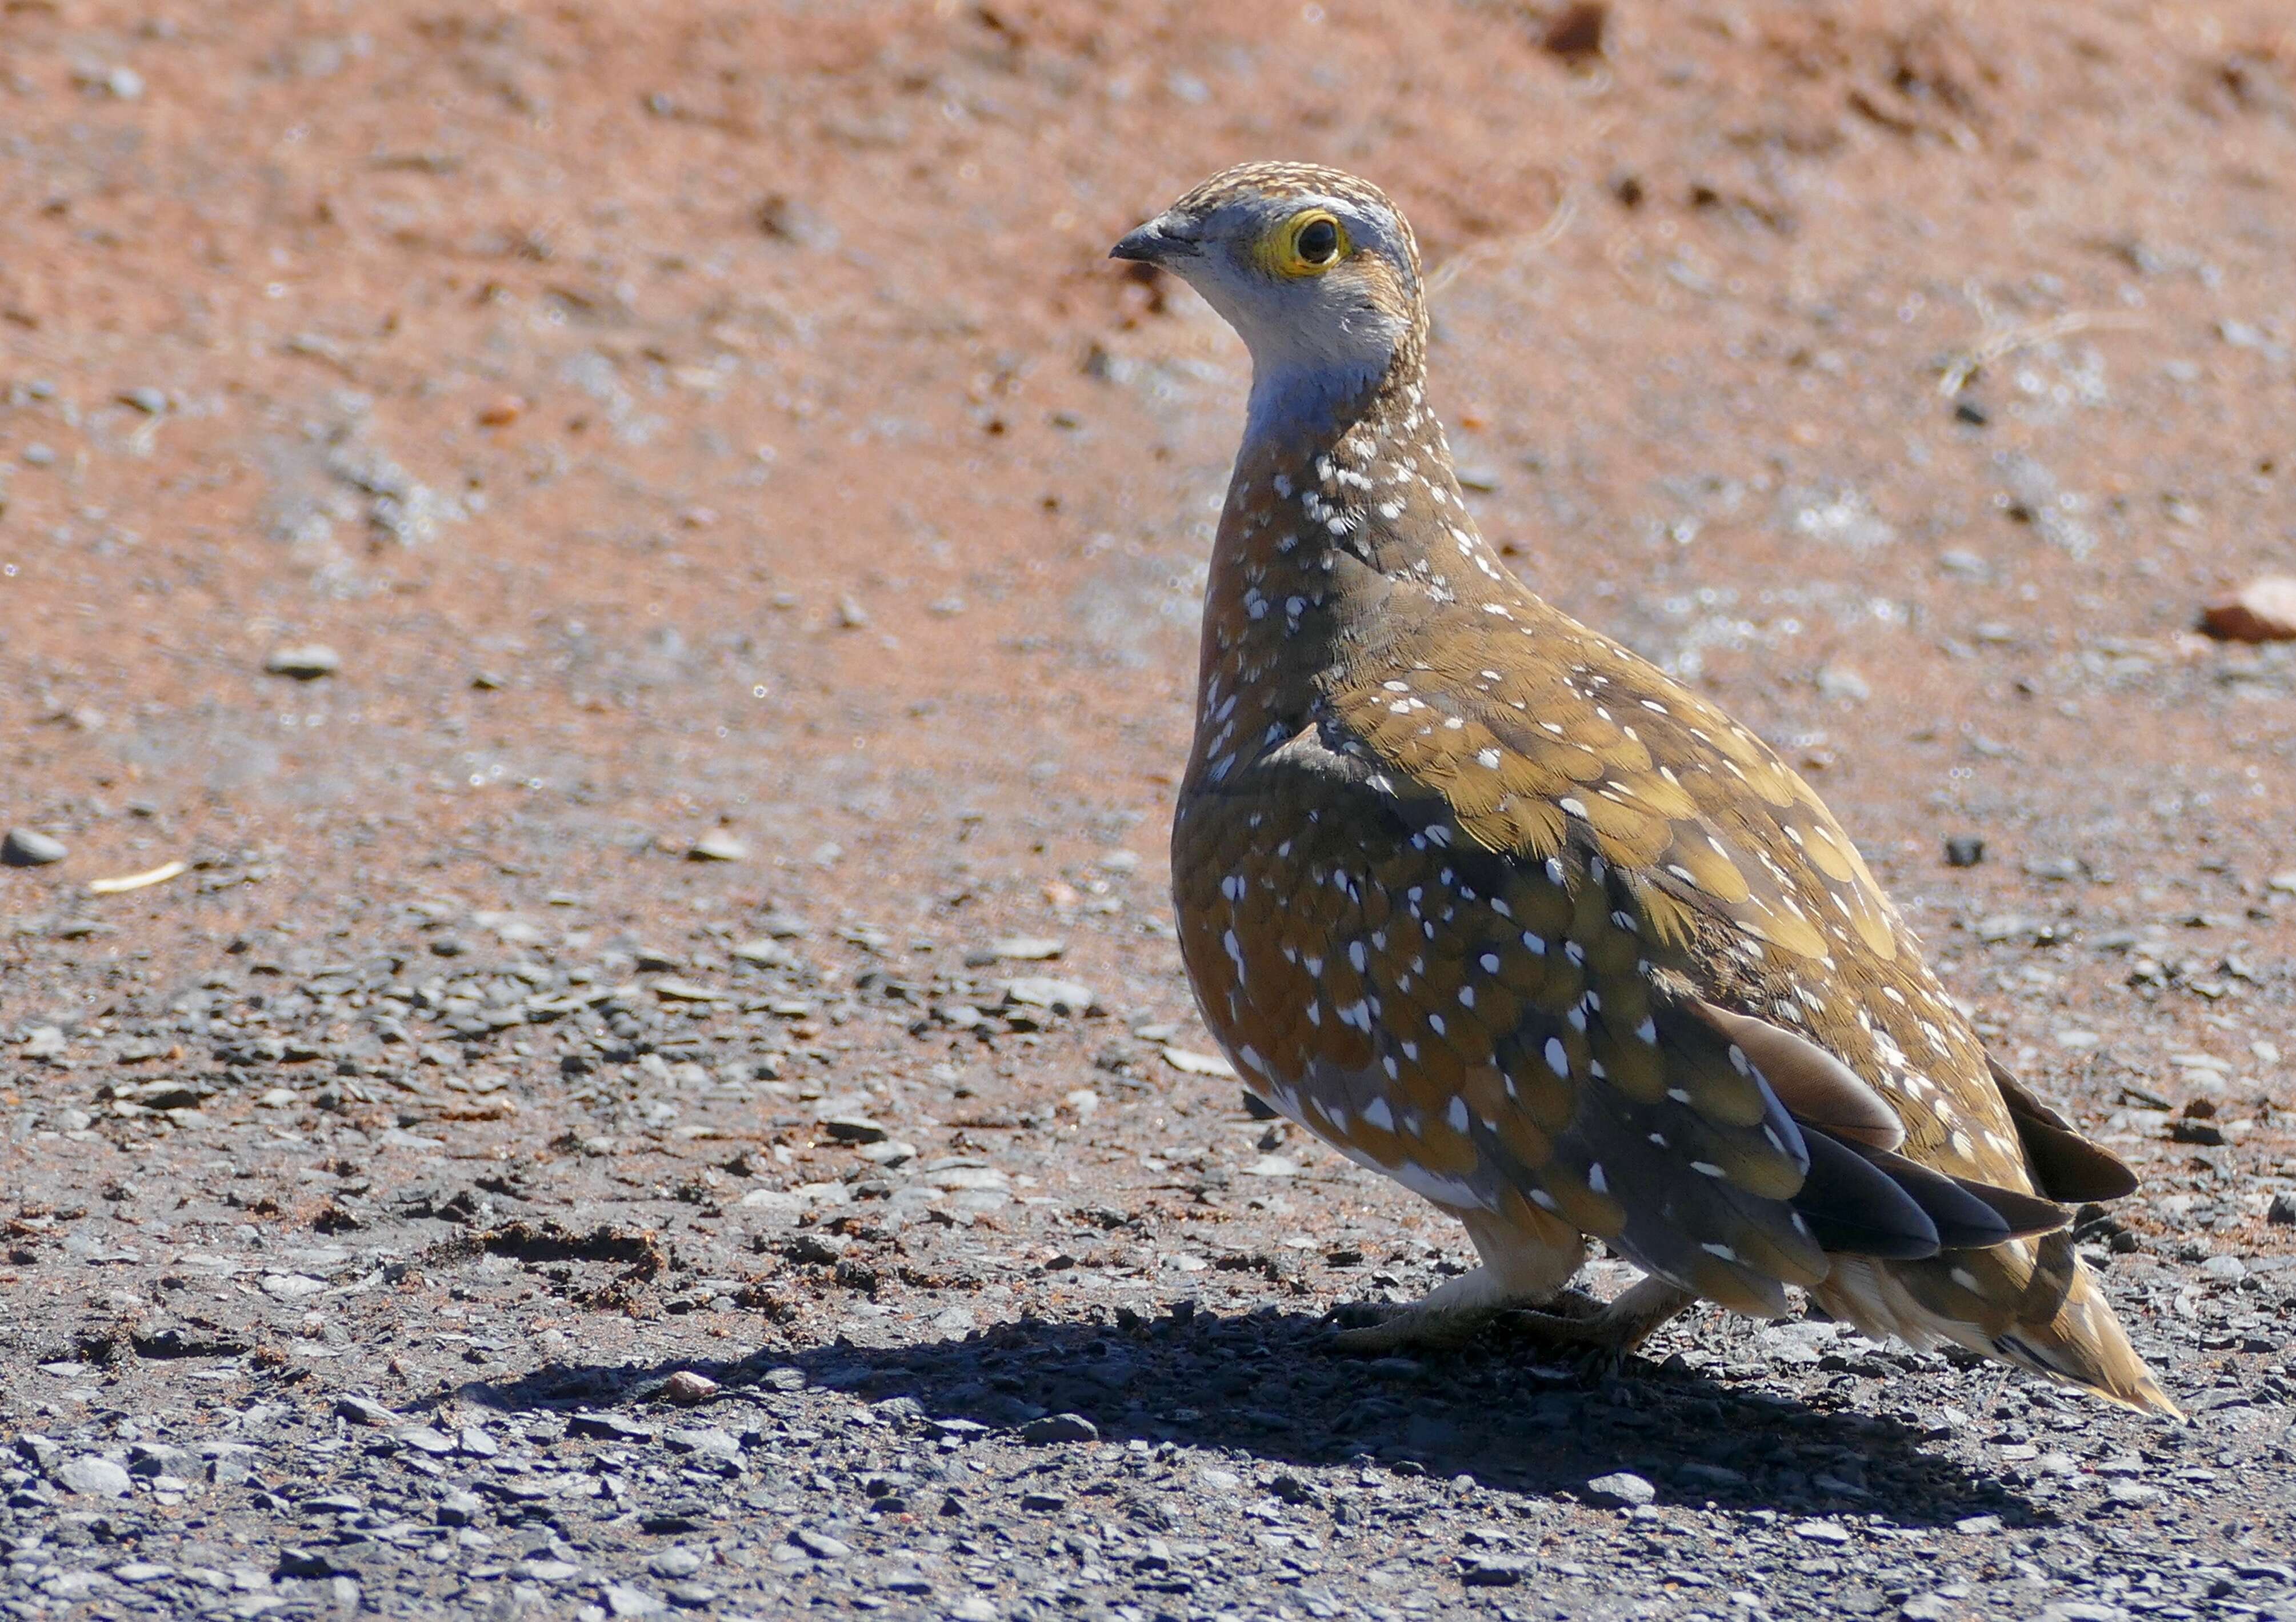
(1538, 735)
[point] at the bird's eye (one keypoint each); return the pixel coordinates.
(1308, 243)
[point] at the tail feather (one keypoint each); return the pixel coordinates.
(2032, 1303)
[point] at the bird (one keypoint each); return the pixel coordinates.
(1498, 909)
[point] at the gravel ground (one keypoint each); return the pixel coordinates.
(337, 1325)
(644, 568)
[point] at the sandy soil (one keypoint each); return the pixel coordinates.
(721, 420)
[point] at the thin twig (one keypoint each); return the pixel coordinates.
(2003, 341)
(1509, 247)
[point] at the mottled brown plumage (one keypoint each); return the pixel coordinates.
(1498, 908)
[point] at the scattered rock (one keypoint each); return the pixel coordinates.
(2262, 611)
(306, 662)
(854, 1128)
(297, 1287)
(820, 1544)
(1191, 1063)
(91, 1477)
(1064, 997)
(609, 1427)
(687, 1388)
(1061, 1428)
(719, 844)
(357, 1410)
(23, 847)
(1621, 1487)
(1839, 681)
(1964, 849)
(1482, 1571)
(1574, 32)
(1027, 948)
(2281, 1211)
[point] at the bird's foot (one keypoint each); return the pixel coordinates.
(1446, 1319)
(1449, 1317)
(1594, 1337)
(1595, 1344)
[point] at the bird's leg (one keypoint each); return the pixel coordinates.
(1520, 1269)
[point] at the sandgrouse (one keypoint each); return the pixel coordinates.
(1498, 909)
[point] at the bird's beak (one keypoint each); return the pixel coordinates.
(1159, 241)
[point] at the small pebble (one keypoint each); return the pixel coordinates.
(1061, 996)
(1621, 1487)
(687, 1388)
(1839, 681)
(820, 1544)
(306, 662)
(25, 848)
(357, 1410)
(1493, 1570)
(2262, 611)
(1061, 1428)
(717, 845)
(1964, 849)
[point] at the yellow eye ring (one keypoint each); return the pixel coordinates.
(1308, 243)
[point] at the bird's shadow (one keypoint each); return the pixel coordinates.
(1268, 1386)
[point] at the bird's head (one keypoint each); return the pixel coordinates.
(1316, 271)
